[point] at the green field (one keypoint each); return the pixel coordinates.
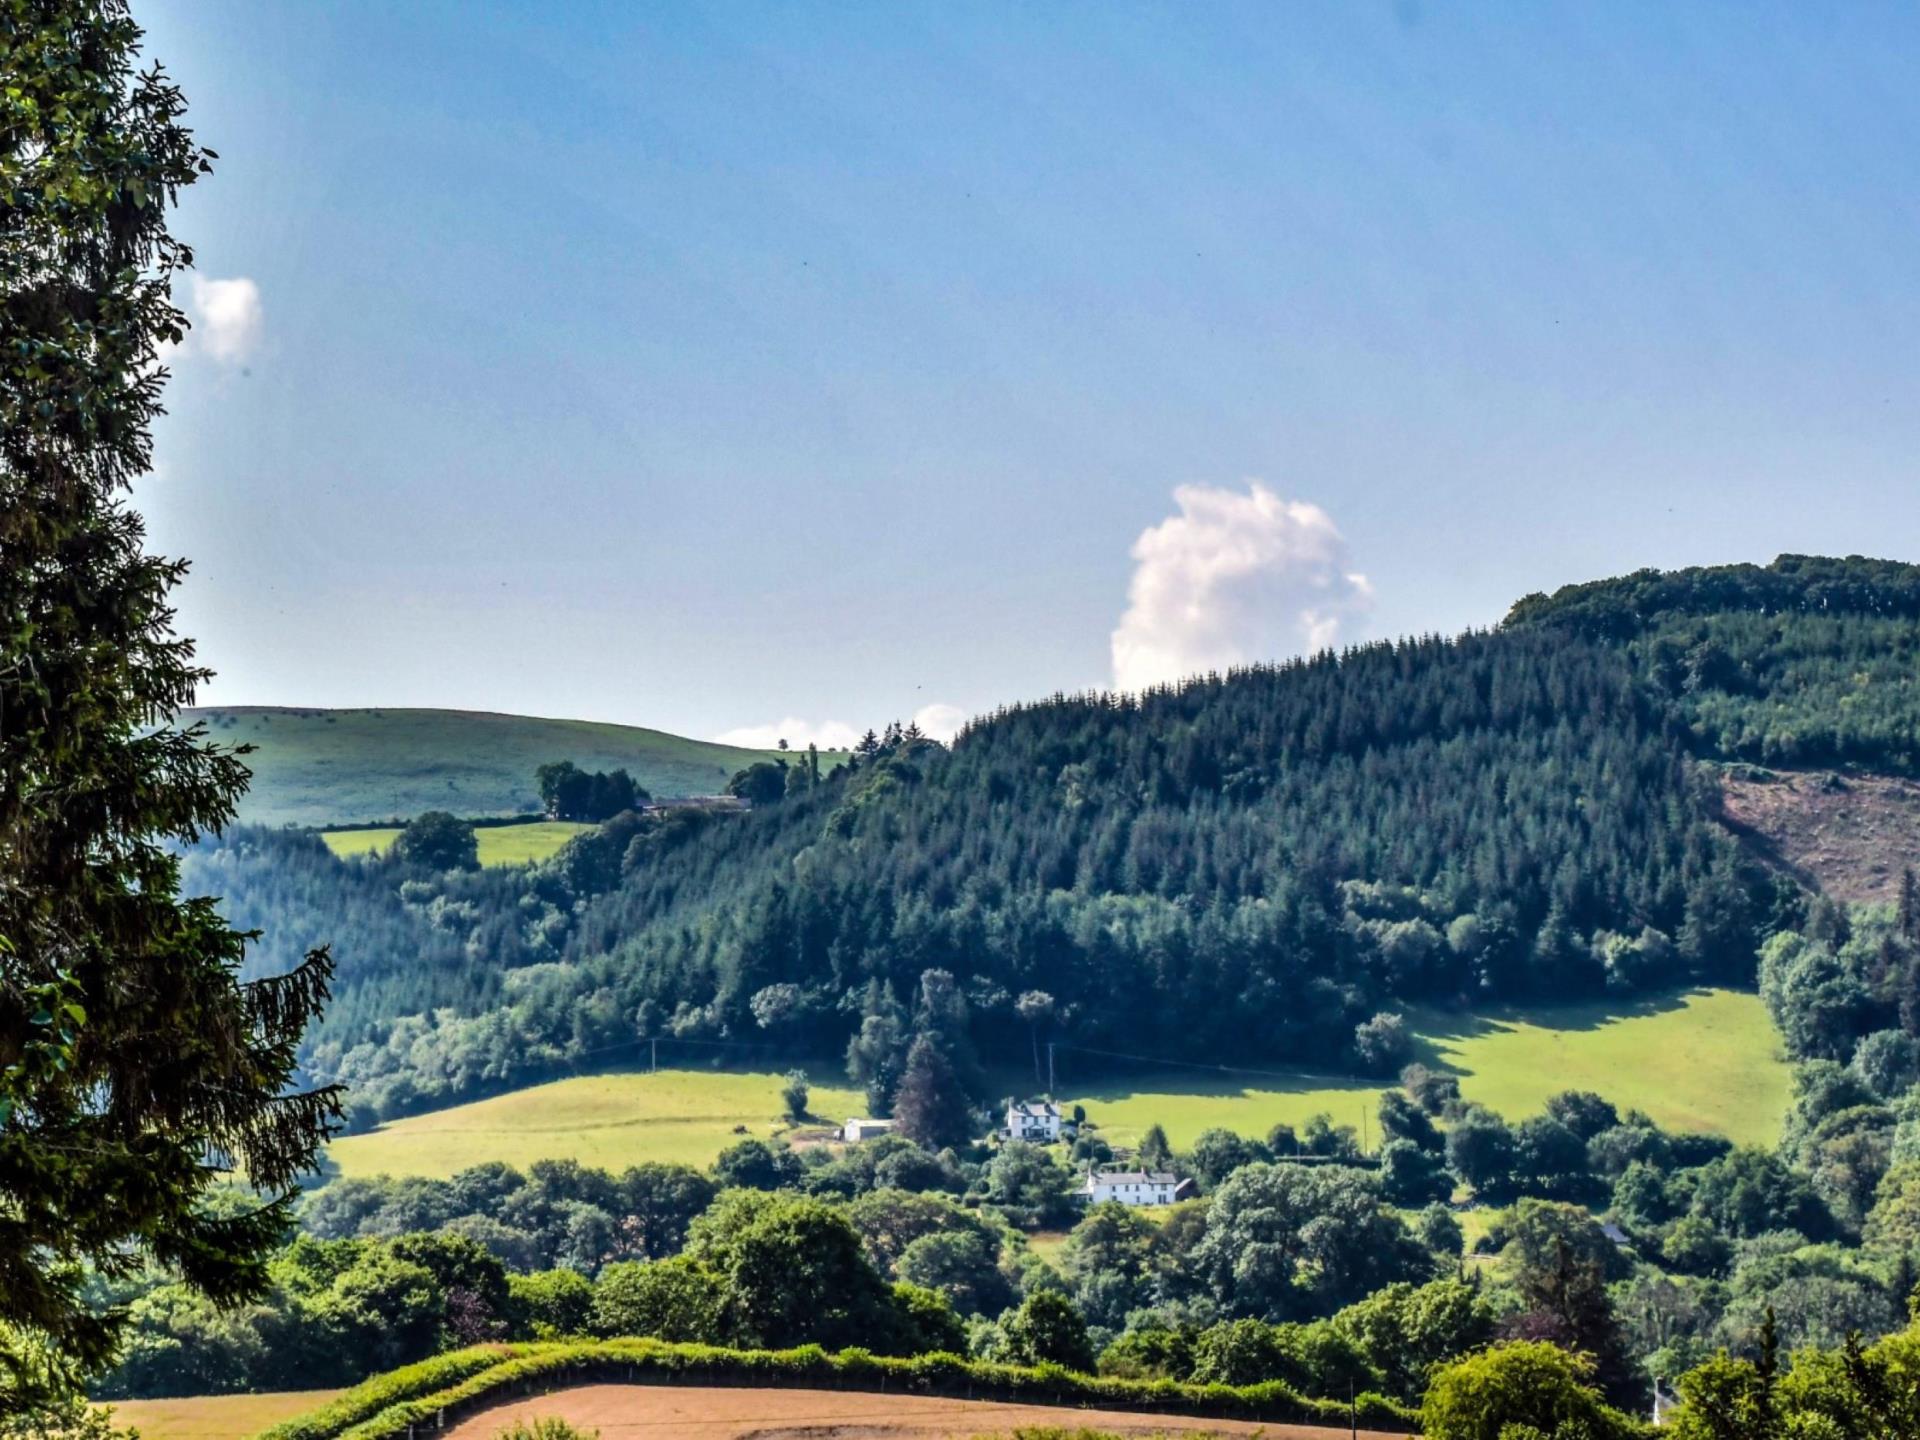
(499, 844)
(1706, 1060)
(610, 1121)
(215, 1417)
(337, 767)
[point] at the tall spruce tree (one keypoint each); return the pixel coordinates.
(135, 1067)
(930, 1107)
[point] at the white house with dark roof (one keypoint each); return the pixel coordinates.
(1135, 1187)
(1035, 1120)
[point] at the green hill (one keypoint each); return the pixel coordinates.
(333, 767)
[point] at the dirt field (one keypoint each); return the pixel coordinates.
(702, 1413)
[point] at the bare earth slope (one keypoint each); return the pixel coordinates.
(724, 1413)
(1848, 835)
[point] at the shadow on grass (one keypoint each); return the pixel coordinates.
(1434, 1026)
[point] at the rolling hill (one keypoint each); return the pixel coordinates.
(334, 767)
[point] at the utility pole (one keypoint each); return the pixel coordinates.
(1049, 1069)
(653, 1050)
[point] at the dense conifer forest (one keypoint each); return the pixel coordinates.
(1249, 865)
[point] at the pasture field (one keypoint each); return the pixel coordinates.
(1706, 1060)
(337, 767)
(215, 1417)
(1701, 1060)
(610, 1121)
(499, 844)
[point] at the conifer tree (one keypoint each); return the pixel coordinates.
(930, 1108)
(135, 1065)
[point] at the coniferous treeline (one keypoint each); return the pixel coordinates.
(1807, 661)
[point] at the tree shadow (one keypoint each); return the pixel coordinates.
(1435, 1027)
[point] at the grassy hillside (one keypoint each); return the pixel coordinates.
(609, 1121)
(319, 767)
(1705, 1061)
(499, 844)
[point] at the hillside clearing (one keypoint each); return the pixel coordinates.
(214, 1417)
(499, 844)
(611, 1121)
(720, 1413)
(1702, 1060)
(1849, 836)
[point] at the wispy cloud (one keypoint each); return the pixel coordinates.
(1234, 577)
(227, 318)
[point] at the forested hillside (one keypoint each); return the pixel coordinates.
(1248, 866)
(1807, 661)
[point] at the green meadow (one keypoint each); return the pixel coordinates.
(1702, 1060)
(1706, 1060)
(499, 844)
(609, 1121)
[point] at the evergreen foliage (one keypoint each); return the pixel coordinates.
(134, 1063)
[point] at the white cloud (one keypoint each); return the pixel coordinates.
(827, 734)
(1233, 578)
(939, 720)
(227, 319)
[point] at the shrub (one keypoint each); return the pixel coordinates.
(1490, 1395)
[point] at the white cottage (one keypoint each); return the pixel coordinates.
(856, 1130)
(1035, 1120)
(1135, 1187)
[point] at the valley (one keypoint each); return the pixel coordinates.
(1415, 963)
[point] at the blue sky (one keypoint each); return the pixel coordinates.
(706, 365)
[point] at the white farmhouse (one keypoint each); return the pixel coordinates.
(1035, 1120)
(1135, 1187)
(856, 1130)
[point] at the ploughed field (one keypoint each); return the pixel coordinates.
(1706, 1060)
(752, 1413)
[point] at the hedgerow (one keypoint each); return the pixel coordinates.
(382, 1392)
(390, 1407)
